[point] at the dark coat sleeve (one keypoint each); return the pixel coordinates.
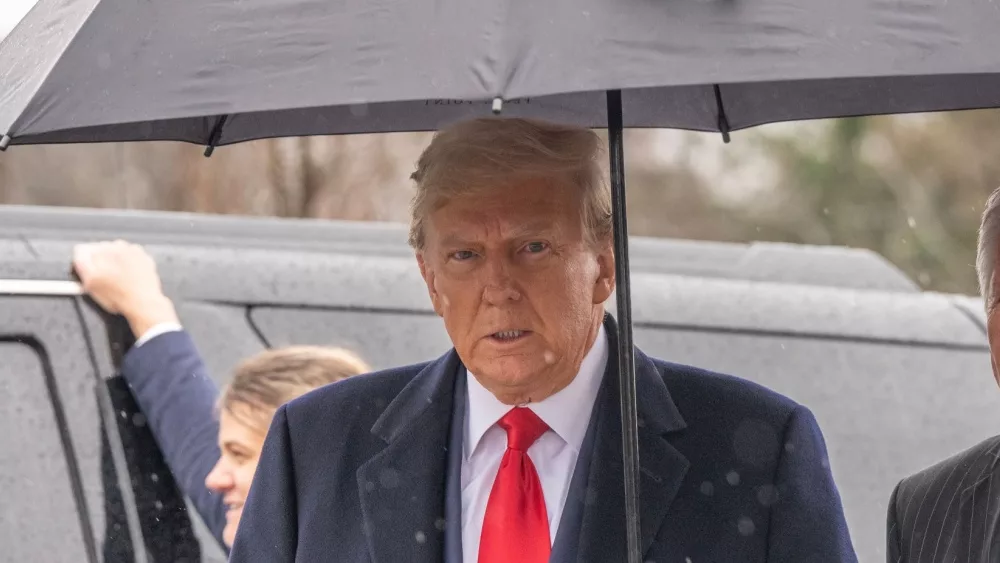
(171, 385)
(807, 518)
(268, 531)
(893, 549)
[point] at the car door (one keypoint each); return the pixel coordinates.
(82, 477)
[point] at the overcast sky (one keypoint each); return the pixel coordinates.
(11, 12)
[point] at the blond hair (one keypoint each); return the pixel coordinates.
(271, 378)
(492, 153)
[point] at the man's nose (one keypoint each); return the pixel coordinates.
(500, 285)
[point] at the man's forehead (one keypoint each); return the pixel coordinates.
(466, 228)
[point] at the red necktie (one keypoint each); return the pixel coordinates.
(516, 524)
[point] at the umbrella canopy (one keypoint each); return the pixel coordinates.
(120, 70)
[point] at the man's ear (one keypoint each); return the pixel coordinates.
(604, 286)
(427, 273)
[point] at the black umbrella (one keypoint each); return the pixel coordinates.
(218, 72)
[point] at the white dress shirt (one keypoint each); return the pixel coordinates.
(156, 330)
(554, 454)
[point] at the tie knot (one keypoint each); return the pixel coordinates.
(523, 427)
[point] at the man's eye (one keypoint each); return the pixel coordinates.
(536, 247)
(463, 255)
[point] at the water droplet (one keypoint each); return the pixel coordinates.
(733, 478)
(440, 524)
(746, 526)
(155, 478)
(707, 488)
(826, 211)
(158, 505)
(767, 495)
(369, 486)
(421, 538)
(789, 447)
(911, 222)
(550, 358)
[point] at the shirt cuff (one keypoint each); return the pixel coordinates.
(157, 330)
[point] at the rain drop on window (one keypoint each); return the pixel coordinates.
(733, 478)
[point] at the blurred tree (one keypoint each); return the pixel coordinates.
(909, 187)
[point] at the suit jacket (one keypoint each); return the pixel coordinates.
(730, 471)
(950, 512)
(171, 385)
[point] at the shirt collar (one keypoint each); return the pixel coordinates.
(566, 412)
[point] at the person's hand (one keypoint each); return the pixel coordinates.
(122, 278)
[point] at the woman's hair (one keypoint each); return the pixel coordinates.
(270, 379)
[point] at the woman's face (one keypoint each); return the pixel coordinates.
(232, 475)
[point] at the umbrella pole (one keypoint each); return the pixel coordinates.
(626, 356)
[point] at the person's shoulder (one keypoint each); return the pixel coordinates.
(697, 391)
(958, 472)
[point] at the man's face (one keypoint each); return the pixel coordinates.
(518, 284)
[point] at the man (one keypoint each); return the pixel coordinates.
(508, 447)
(950, 512)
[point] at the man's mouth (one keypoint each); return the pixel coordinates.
(509, 335)
(234, 506)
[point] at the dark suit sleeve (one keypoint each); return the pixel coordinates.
(807, 517)
(268, 530)
(893, 551)
(171, 385)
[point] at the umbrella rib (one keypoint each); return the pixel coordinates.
(723, 120)
(215, 135)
